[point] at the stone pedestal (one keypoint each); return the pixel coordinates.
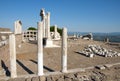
(48, 43)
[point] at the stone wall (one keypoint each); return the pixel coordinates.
(56, 77)
(109, 74)
(78, 76)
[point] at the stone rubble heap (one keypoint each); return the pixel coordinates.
(92, 50)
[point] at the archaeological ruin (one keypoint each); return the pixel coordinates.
(41, 55)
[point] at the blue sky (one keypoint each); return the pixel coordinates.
(76, 15)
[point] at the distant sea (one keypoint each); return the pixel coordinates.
(113, 37)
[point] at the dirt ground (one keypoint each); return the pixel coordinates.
(27, 57)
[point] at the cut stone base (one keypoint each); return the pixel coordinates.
(49, 44)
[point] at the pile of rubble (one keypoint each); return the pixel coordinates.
(92, 50)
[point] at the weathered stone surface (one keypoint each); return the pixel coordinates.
(28, 79)
(101, 67)
(69, 76)
(35, 79)
(48, 78)
(17, 79)
(95, 78)
(68, 79)
(42, 78)
(2, 71)
(75, 79)
(117, 68)
(78, 75)
(56, 77)
(2, 80)
(60, 79)
(98, 76)
(92, 50)
(108, 65)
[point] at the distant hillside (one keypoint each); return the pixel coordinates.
(113, 36)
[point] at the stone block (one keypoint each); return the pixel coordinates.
(69, 76)
(60, 79)
(68, 79)
(108, 65)
(77, 75)
(94, 78)
(35, 79)
(42, 78)
(75, 79)
(17, 79)
(91, 55)
(48, 78)
(48, 43)
(28, 79)
(56, 77)
(101, 67)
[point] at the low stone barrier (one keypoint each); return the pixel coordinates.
(56, 77)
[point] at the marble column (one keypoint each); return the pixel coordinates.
(64, 50)
(48, 26)
(12, 48)
(40, 48)
(18, 27)
(44, 28)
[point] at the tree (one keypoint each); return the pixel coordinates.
(58, 29)
(31, 28)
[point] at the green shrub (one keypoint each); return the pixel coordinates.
(31, 28)
(58, 29)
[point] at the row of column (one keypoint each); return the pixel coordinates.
(12, 46)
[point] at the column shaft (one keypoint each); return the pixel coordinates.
(12, 47)
(43, 22)
(40, 49)
(48, 25)
(64, 50)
